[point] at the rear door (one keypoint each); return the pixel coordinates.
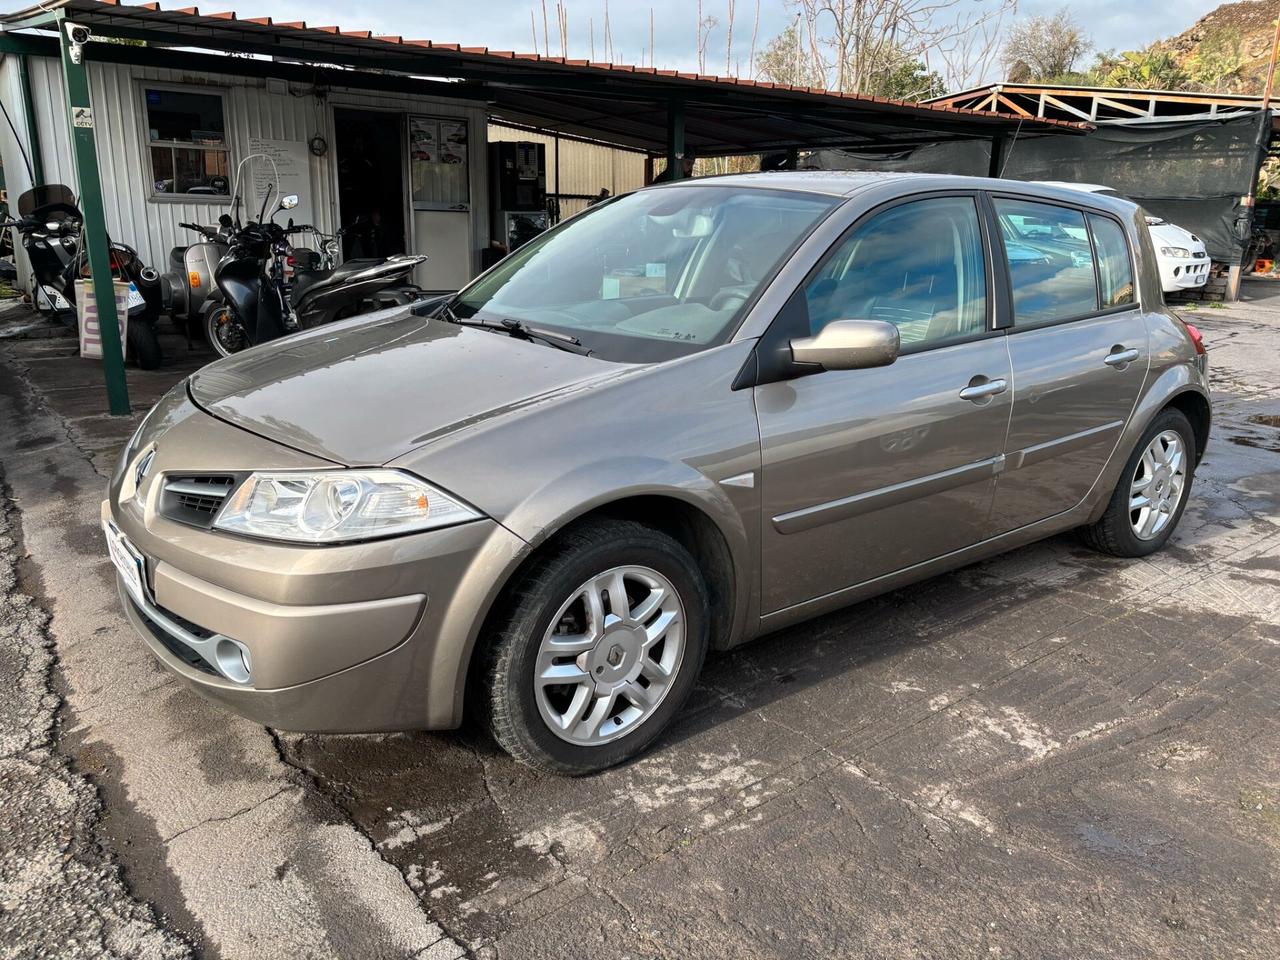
(1078, 344)
(866, 472)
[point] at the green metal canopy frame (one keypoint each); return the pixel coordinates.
(94, 231)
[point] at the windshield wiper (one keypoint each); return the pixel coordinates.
(520, 330)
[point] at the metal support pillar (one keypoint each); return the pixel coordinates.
(675, 139)
(997, 155)
(94, 231)
(33, 132)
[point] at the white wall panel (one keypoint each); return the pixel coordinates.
(137, 217)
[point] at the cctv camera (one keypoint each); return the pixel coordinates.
(77, 33)
(78, 36)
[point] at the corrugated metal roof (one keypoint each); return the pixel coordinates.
(589, 97)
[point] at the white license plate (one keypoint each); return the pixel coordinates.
(136, 299)
(127, 560)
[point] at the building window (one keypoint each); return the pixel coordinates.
(187, 141)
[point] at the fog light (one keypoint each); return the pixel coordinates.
(233, 660)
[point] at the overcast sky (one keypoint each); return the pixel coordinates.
(504, 24)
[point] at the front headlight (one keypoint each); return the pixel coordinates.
(337, 506)
(1180, 253)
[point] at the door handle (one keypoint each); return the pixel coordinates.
(978, 392)
(1118, 358)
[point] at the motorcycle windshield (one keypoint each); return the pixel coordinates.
(46, 195)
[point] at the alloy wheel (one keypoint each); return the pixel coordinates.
(610, 656)
(1158, 483)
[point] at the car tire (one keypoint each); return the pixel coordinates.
(548, 607)
(1120, 530)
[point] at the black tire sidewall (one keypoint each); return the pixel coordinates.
(532, 617)
(1122, 527)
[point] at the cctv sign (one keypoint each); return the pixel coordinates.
(82, 117)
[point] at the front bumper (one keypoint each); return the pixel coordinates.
(391, 663)
(359, 637)
(1188, 274)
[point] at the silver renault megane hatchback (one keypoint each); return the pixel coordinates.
(684, 418)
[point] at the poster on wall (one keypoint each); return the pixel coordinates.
(423, 140)
(292, 164)
(438, 163)
(453, 142)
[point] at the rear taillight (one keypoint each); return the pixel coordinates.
(1196, 338)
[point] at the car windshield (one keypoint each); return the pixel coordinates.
(652, 275)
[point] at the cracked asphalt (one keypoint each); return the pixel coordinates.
(1048, 754)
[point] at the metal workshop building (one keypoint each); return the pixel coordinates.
(149, 128)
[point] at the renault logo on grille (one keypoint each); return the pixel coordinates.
(143, 465)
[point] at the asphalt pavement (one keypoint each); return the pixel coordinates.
(1049, 754)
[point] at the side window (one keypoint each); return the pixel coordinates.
(1050, 261)
(919, 265)
(1115, 269)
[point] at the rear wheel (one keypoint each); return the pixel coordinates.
(1152, 493)
(598, 648)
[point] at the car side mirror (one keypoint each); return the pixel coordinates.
(849, 345)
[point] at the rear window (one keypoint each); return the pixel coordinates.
(1115, 269)
(1050, 261)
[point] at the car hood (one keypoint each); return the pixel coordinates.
(364, 392)
(1172, 235)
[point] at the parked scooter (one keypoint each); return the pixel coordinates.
(261, 303)
(188, 289)
(50, 224)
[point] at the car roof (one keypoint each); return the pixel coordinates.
(1086, 187)
(846, 183)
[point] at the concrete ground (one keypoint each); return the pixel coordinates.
(1050, 754)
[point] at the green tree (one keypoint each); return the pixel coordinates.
(788, 59)
(906, 80)
(1148, 69)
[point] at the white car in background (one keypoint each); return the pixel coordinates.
(1180, 254)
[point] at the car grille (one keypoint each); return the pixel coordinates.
(195, 498)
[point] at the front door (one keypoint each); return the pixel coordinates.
(371, 197)
(865, 472)
(1079, 351)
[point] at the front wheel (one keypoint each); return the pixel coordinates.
(1152, 492)
(598, 647)
(224, 331)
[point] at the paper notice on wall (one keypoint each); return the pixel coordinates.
(453, 142)
(288, 171)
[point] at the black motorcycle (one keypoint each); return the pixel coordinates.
(260, 302)
(50, 224)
